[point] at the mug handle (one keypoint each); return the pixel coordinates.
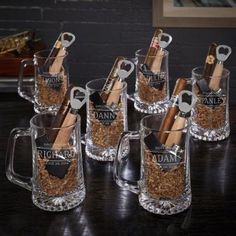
(131, 97)
(83, 139)
(121, 156)
(24, 63)
(23, 181)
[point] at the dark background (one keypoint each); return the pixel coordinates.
(108, 28)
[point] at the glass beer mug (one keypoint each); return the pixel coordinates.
(57, 183)
(152, 76)
(151, 90)
(164, 186)
(107, 111)
(51, 79)
(210, 121)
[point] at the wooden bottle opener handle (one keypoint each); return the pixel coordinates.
(63, 135)
(57, 64)
(174, 138)
(156, 65)
(214, 83)
(78, 97)
(114, 95)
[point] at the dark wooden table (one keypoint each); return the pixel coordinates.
(108, 210)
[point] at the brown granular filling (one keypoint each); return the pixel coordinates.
(162, 183)
(210, 117)
(53, 185)
(48, 96)
(103, 135)
(148, 93)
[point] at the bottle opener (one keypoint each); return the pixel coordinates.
(184, 106)
(78, 97)
(122, 73)
(67, 39)
(163, 43)
(221, 57)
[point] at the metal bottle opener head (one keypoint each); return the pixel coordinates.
(184, 106)
(122, 73)
(223, 56)
(164, 43)
(67, 39)
(78, 97)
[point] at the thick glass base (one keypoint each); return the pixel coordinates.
(157, 107)
(165, 207)
(99, 153)
(209, 134)
(60, 203)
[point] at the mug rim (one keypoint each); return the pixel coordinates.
(144, 127)
(89, 88)
(200, 68)
(139, 54)
(32, 123)
(37, 54)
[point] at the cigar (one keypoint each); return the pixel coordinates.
(153, 48)
(172, 110)
(202, 85)
(210, 62)
(111, 78)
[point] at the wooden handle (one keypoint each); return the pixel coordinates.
(57, 64)
(63, 135)
(114, 95)
(174, 137)
(156, 65)
(216, 77)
